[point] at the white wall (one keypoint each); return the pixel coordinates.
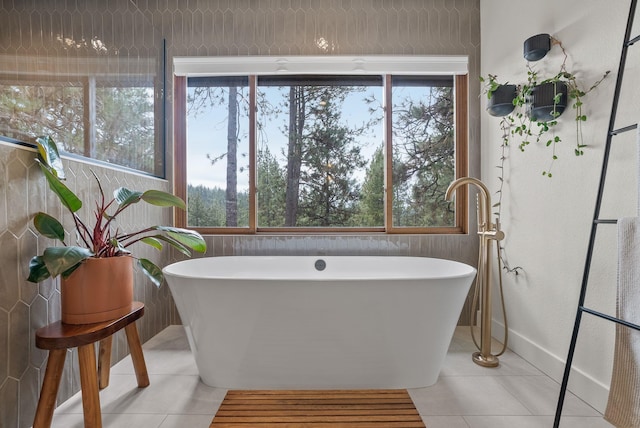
(547, 221)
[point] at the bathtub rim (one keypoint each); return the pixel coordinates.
(469, 270)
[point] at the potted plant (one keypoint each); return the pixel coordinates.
(536, 47)
(539, 103)
(547, 101)
(500, 96)
(544, 101)
(100, 269)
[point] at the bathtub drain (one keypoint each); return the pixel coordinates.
(320, 264)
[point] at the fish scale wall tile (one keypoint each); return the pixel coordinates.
(15, 194)
(4, 344)
(29, 393)
(9, 285)
(27, 245)
(36, 190)
(19, 339)
(9, 402)
(4, 180)
(37, 318)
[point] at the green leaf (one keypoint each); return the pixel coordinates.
(163, 199)
(189, 238)
(48, 151)
(149, 240)
(48, 226)
(69, 271)
(174, 243)
(153, 272)
(117, 244)
(66, 196)
(125, 197)
(37, 270)
(61, 259)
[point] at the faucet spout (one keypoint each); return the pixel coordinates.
(485, 201)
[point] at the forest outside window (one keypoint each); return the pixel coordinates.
(113, 121)
(305, 152)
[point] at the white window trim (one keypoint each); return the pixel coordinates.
(363, 65)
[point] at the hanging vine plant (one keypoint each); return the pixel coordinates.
(537, 105)
(535, 108)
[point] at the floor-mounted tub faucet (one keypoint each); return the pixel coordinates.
(488, 232)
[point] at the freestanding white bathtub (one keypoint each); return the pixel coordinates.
(302, 322)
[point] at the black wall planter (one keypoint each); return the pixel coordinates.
(536, 47)
(540, 102)
(501, 101)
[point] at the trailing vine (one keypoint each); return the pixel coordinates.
(523, 126)
(505, 127)
(527, 129)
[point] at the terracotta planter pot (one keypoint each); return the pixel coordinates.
(99, 290)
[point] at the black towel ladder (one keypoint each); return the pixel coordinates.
(628, 42)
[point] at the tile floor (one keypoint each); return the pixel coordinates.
(514, 395)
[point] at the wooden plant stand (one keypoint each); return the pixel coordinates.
(57, 337)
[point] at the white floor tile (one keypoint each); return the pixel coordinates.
(584, 422)
(166, 353)
(466, 395)
(166, 394)
(190, 421)
(534, 422)
(110, 421)
(445, 422)
(540, 394)
(515, 394)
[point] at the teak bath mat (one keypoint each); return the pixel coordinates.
(374, 408)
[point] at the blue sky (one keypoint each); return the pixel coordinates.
(207, 134)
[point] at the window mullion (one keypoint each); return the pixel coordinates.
(253, 206)
(461, 91)
(90, 106)
(180, 144)
(388, 141)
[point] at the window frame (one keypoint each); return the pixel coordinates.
(88, 74)
(386, 66)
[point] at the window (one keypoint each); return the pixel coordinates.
(423, 150)
(289, 151)
(111, 117)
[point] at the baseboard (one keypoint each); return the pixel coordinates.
(590, 390)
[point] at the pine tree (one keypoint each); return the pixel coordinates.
(271, 190)
(424, 161)
(321, 155)
(329, 190)
(371, 207)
